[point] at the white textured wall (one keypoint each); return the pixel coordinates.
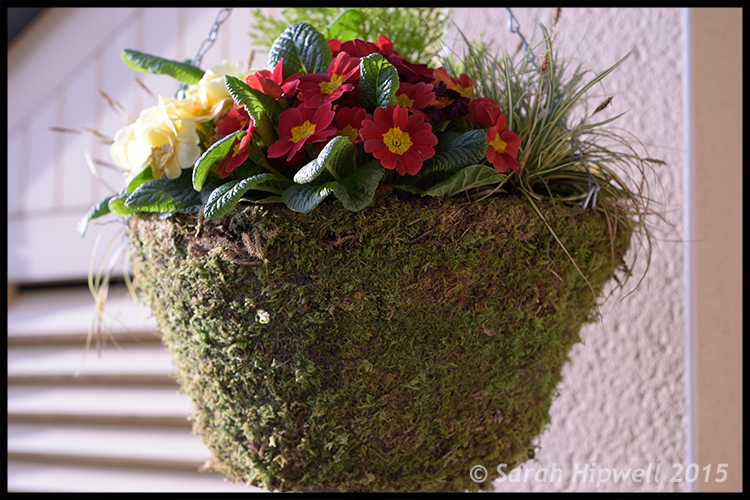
(621, 404)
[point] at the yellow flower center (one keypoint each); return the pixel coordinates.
(404, 100)
(498, 144)
(303, 131)
(159, 157)
(349, 132)
(466, 92)
(329, 87)
(398, 142)
(441, 102)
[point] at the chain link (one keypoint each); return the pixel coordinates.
(576, 151)
(221, 16)
(515, 27)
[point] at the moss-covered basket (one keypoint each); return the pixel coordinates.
(390, 349)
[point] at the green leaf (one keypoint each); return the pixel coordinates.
(257, 104)
(305, 197)
(247, 169)
(347, 26)
(225, 197)
(99, 209)
(467, 178)
(218, 151)
(164, 195)
(208, 188)
(303, 48)
(357, 190)
(455, 151)
(337, 156)
(264, 198)
(117, 205)
(146, 63)
(309, 172)
(144, 176)
(408, 188)
(274, 184)
(378, 82)
(191, 209)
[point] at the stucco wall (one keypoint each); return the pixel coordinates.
(621, 404)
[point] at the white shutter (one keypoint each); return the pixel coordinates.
(82, 422)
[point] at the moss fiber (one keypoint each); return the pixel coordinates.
(390, 349)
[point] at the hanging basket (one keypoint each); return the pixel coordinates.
(390, 349)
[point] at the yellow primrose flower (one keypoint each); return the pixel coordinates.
(209, 97)
(157, 139)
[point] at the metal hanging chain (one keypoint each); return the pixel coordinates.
(593, 185)
(576, 150)
(515, 27)
(221, 16)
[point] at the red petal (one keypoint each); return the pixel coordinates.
(374, 146)
(411, 161)
(278, 70)
(322, 135)
(385, 45)
(389, 160)
(369, 134)
(335, 45)
(279, 148)
(382, 120)
(289, 119)
(290, 87)
(400, 116)
(271, 88)
(499, 118)
(511, 162)
(425, 152)
(295, 147)
(323, 116)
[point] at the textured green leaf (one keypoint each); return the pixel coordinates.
(257, 104)
(467, 178)
(144, 176)
(357, 190)
(347, 26)
(164, 195)
(191, 209)
(378, 82)
(247, 169)
(337, 157)
(408, 188)
(455, 151)
(117, 205)
(309, 172)
(303, 48)
(208, 188)
(218, 151)
(99, 209)
(305, 197)
(146, 63)
(225, 197)
(274, 184)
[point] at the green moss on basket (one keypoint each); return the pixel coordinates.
(403, 344)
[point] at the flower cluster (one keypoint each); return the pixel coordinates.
(340, 117)
(167, 136)
(316, 108)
